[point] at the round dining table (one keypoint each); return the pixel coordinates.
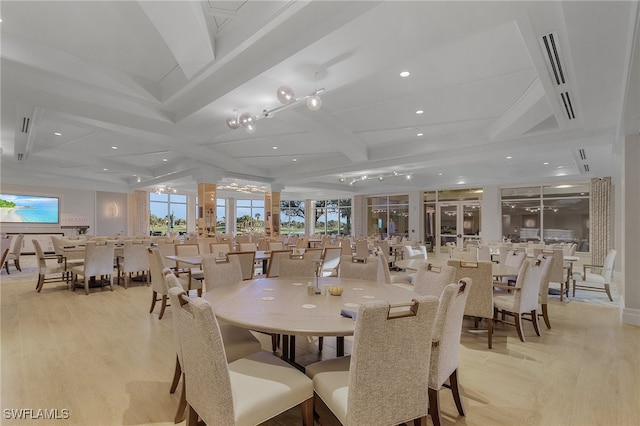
(285, 306)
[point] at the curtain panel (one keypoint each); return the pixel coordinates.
(600, 233)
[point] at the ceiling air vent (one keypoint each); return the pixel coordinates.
(586, 168)
(25, 124)
(582, 153)
(552, 55)
(19, 156)
(566, 100)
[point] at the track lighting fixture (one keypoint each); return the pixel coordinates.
(286, 97)
(378, 177)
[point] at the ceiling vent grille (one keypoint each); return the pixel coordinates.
(19, 156)
(553, 56)
(582, 153)
(586, 168)
(566, 100)
(25, 124)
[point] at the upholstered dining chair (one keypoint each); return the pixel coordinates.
(247, 261)
(480, 300)
(592, 281)
(14, 253)
(432, 281)
(205, 244)
(557, 274)
(367, 270)
(275, 245)
(134, 259)
(158, 284)
(248, 246)
(237, 342)
(3, 256)
(364, 389)
(98, 262)
(303, 268)
(71, 260)
(330, 261)
(362, 250)
(384, 274)
(273, 269)
(195, 275)
(167, 247)
(445, 347)
(247, 391)
(521, 300)
(220, 250)
(546, 264)
(219, 272)
(59, 270)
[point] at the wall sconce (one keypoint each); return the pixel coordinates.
(287, 98)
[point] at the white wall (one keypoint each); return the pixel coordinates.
(111, 214)
(627, 229)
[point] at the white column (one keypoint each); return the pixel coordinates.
(416, 216)
(629, 246)
(491, 219)
(230, 219)
(309, 217)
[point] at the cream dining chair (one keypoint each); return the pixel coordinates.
(445, 347)
(247, 391)
(59, 270)
(98, 263)
(134, 259)
(364, 388)
(158, 284)
(14, 253)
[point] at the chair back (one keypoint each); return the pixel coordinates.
(262, 244)
(17, 246)
(275, 245)
(188, 249)
(42, 263)
(445, 352)
(135, 256)
(468, 254)
(98, 258)
(541, 269)
(515, 258)
(384, 274)
(607, 270)
(247, 261)
(167, 247)
(312, 254)
(431, 282)
(219, 250)
(367, 271)
(484, 254)
(248, 246)
(331, 260)
(480, 299)
(296, 267)
(526, 300)
(154, 257)
(302, 242)
(273, 270)
(385, 334)
(219, 273)
(205, 244)
(362, 249)
(345, 247)
(557, 268)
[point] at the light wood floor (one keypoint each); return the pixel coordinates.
(106, 360)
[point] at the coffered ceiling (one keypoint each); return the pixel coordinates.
(124, 95)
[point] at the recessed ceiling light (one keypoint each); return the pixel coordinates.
(546, 163)
(419, 112)
(57, 133)
(420, 134)
(509, 158)
(105, 169)
(405, 74)
(164, 159)
(114, 147)
(439, 174)
(460, 182)
(275, 147)
(295, 159)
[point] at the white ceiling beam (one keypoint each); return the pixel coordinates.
(531, 109)
(183, 27)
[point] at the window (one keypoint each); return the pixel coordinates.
(249, 216)
(388, 215)
(553, 214)
(292, 217)
(168, 212)
(333, 216)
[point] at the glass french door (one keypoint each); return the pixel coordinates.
(458, 223)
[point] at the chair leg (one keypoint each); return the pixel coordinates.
(192, 416)
(86, 285)
(307, 412)
(608, 290)
(518, 322)
(534, 320)
(420, 421)
(177, 373)
(455, 390)
(274, 342)
(320, 341)
(182, 405)
(434, 407)
(490, 332)
(574, 288)
(40, 282)
(6, 266)
(154, 299)
(545, 316)
(163, 307)
(17, 263)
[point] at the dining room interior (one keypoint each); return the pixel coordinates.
(306, 148)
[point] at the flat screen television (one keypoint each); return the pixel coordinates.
(16, 208)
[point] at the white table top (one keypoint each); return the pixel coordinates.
(197, 259)
(283, 306)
